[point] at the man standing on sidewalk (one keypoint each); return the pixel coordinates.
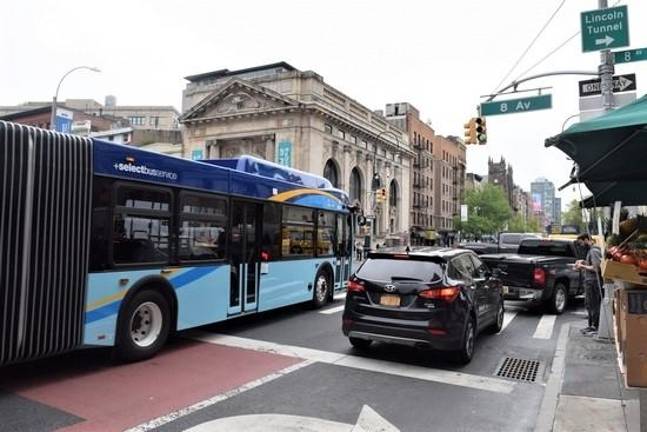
(592, 281)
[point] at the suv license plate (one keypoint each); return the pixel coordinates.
(390, 300)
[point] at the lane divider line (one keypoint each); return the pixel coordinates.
(332, 310)
(477, 382)
(507, 319)
(167, 418)
(545, 326)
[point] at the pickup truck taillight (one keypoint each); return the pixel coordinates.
(539, 276)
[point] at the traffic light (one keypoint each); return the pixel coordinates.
(380, 195)
(470, 131)
(481, 130)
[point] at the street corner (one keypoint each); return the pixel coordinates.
(85, 391)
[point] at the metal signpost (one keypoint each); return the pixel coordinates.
(621, 83)
(605, 28)
(511, 106)
(630, 55)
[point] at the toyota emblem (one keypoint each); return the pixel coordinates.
(390, 288)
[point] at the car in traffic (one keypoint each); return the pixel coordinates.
(434, 298)
(507, 242)
(541, 272)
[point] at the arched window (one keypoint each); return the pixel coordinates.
(331, 172)
(393, 194)
(355, 191)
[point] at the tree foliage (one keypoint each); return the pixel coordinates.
(488, 211)
(573, 216)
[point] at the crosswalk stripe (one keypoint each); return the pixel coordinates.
(341, 295)
(478, 382)
(545, 326)
(332, 310)
(507, 319)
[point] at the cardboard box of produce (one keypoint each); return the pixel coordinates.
(624, 272)
(634, 317)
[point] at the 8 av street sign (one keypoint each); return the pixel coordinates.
(621, 83)
(630, 55)
(605, 28)
(512, 106)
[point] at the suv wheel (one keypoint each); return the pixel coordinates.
(497, 326)
(465, 353)
(559, 299)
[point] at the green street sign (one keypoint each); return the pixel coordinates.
(605, 28)
(512, 106)
(630, 55)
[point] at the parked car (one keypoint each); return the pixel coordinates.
(542, 271)
(507, 242)
(434, 298)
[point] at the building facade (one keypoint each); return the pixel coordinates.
(41, 116)
(421, 137)
(449, 162)
(474, 181)
(500, 174)
(295, 118)
(521, 203)
(542, 192)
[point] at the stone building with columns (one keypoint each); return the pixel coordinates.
(295, 118)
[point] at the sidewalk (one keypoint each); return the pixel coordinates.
(592, 396)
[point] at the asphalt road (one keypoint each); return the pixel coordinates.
(288, 366)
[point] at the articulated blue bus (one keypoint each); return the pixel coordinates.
(108, 245)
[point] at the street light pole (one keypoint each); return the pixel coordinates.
(606, 71)
(52, 120)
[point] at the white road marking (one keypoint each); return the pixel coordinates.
(159, 421)
(582, 313)
(339, 296)
(417, 372)
(332, 310)
(507, 319)
(545, 327)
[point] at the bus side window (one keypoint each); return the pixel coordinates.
(100, 230)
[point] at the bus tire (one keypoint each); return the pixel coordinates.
(143, 326)
(322, 289)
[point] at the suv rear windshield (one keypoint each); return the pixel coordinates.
(545, 247)
(385, 269)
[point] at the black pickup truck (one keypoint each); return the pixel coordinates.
(542, 271)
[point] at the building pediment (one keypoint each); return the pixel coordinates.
(238, 98)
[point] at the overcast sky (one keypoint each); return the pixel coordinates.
(440, 56)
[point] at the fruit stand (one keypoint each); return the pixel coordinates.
(610, 155)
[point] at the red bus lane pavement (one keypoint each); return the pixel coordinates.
(114, 397)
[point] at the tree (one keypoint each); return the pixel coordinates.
(488, 211)
(573, 216)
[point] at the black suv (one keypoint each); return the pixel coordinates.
(430, 297)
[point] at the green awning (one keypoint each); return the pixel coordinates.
(609, 148)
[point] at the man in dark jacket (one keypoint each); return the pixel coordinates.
(592, 281)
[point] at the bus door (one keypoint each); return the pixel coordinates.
(244, 256)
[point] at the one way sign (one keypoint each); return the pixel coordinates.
(621, 83)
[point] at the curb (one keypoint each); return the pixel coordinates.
(546, 415)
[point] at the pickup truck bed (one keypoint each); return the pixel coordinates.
(542, 272)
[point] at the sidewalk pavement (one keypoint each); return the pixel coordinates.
(592, 395)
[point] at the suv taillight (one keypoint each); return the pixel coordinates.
(354, 286)
(539, 276)
(447, 294)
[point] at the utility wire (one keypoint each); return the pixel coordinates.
(523, 54)
(560, 46)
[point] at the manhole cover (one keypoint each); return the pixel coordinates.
(519, 369)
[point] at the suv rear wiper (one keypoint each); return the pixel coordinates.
(405, 278)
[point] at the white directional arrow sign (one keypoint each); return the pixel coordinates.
(606, 41)
(368, 421)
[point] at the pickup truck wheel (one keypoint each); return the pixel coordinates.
(559, 299)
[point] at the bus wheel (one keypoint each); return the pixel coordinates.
(143, 326)
(322, 289)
